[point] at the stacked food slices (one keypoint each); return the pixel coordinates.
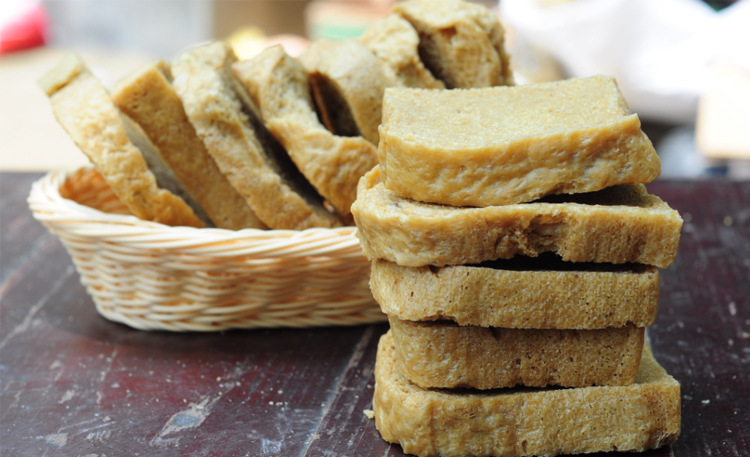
(515, 251)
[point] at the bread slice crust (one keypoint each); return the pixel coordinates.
(620, 224)
(537, 293)
(148, 98)
(505, 145)
(442, 354)
(278, 85)
(525, 421)
(229, 124)
(83, 106)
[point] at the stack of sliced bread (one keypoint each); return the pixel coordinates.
(515, 250)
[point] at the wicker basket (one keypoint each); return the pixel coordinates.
(151, 276)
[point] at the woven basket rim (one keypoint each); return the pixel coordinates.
(62, 214)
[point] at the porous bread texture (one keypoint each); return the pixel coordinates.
(333, 164)
(83, 106)
(347, 82)
(499, 294)
(227, 122)
(525, 421)
(461, 43)
(442, 354)
(505, 145)
(147, 97)
(620, 224)
(394, 40)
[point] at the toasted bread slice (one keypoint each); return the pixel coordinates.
(278, 85)
(442, 354)
(148, 98)
(117, 148)
(525, 292)
(394, 40)
(462, 43)
(347, 82)
(525, 421)
(504, 145)
(620, 224)
(228, 122)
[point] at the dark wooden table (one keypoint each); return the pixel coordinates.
(75, 384)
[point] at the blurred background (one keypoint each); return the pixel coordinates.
(683, 65)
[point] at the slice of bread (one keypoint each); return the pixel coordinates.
(538, 293)
(442, 354)
(394, 40)
(620, 224)
(347, 82)
(461, 42)
(504, 145)
(278, 85)
(147, 97)
(116, 146)
(229, 125)
(525, 421)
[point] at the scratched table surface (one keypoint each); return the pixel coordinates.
(75, 384)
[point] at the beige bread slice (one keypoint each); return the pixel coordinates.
(278, 85)
(620, 224)
(525, 421)
(442, 354)
(227, 122)
(347, 82)
(461, 42)
(538, 293)
(113, 143)
(504, 145)
(148, 98)
(394, 40)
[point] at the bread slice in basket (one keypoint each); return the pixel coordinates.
(130, 164)
(620, 224)
(443, 354)
(461, 43)
(522, 292)
(504, 145)
(278, 85)
(525, 421)
(229, 124)
(148, 98)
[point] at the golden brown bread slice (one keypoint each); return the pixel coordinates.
(227, 121)
(347, 82)
(442, 354)
(148, 98)
(461, 42)
(395, 42)
(620, 224)
(114, 144)
(538, 293)
(525, 421)
(278, 85)
(504, 145)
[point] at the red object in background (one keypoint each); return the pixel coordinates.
(24, 31)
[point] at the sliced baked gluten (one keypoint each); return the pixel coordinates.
(333, 164)
(504, 145)
(461, 43)
(525, 421)
(523, 292)
(147, 97)
(396, 42)
(443, 354)
(228, 123)
(115, 145)
(347, 82)
(620, 224)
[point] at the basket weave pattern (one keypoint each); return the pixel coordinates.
(151, 276)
